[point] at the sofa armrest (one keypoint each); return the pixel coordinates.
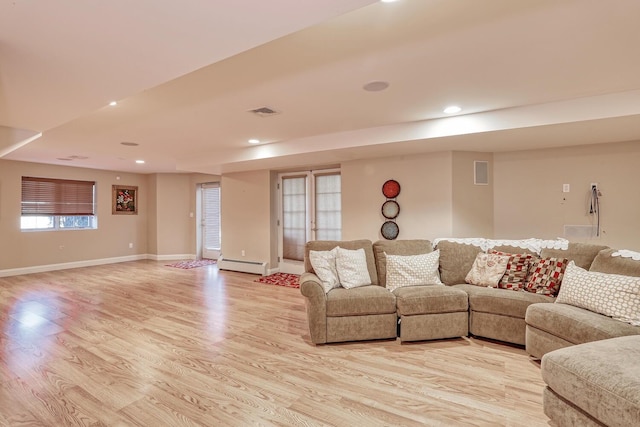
(316, 302)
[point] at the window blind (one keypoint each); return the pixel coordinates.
(211, 204)
(328, 207)
(294, 217)
(46, 196)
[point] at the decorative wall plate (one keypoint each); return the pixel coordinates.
(390, 209)
(391, 189)
(389, 230)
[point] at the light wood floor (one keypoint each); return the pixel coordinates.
(142, 344)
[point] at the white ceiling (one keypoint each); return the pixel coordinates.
(527, 73)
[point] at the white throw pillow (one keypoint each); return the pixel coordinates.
(612, 295)
(352, 268)
(413, 270)
(487, 270)
(324, 264)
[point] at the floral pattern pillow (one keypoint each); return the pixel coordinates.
(487, 270)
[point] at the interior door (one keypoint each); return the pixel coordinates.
(211, 220)
(310, 209)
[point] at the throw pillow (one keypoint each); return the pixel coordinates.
(487, 270)
(352, 268)
(515, 276)
(545, 275)
(324, 264)
(612, 295)
(412, 270)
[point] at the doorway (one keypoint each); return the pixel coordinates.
(310, 209)
(210, 220)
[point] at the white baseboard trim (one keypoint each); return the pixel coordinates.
(271, 271)
(67, 265)
(91, 262)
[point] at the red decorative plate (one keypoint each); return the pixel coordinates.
(391, 189)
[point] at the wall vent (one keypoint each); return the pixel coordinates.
(264, 111)
(580, 231)
(481, 172)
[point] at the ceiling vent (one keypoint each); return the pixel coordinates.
(264, 111)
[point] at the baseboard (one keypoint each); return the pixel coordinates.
(91, 262)
(271, 271)
(67, 265)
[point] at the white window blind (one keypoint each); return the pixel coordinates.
(211, 216)
(328, 203)
(294, 217)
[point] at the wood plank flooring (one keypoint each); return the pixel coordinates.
(142, 344)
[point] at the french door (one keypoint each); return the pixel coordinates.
(310, 209)
(210, 220)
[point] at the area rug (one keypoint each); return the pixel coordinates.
(280, 279)
(192, 263)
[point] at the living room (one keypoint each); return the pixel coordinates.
(549, 115)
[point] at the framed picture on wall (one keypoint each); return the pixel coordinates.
(124, 200)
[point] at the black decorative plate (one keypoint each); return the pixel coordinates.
(391, 189)
(389, 230)
(390, 209)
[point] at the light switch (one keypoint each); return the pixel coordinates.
(566, 188)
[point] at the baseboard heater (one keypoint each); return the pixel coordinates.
(253, 267)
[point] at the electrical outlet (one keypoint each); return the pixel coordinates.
(242, 252)
(593, 185)
(566, 188)
(130, 245)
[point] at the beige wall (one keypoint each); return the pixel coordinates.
(174, 195)
(425, 199)
(246, 215)
(472, 211)
(111, 239)
(529, 200)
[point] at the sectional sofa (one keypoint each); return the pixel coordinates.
(589, 360)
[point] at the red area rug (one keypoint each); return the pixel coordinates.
(280, 279)
(192, 264)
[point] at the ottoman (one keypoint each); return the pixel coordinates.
(594, 384)
(432, 312)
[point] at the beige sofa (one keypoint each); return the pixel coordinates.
(458, 309)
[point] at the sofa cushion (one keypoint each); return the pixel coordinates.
(582, 253)
(601, 378)
(606, 263)
(324, 264)
(360, 301)
(327, 245)
(515, 276)
(351, 266)
(612, 295)
(414, 300)
(545, 275)
(501, 301)
(576, 325)
(396, 247)
(412, 270)
(487, 270)
(456, 260)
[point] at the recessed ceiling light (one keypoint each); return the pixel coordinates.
(113, 103)
(375, 86)
(452, 109)
(388, 1)
(139, 162)
(254, 141)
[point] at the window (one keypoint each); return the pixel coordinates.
(310, 210)
(57, 204)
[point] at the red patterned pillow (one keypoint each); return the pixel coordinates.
(545, 275)
(515, 277)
